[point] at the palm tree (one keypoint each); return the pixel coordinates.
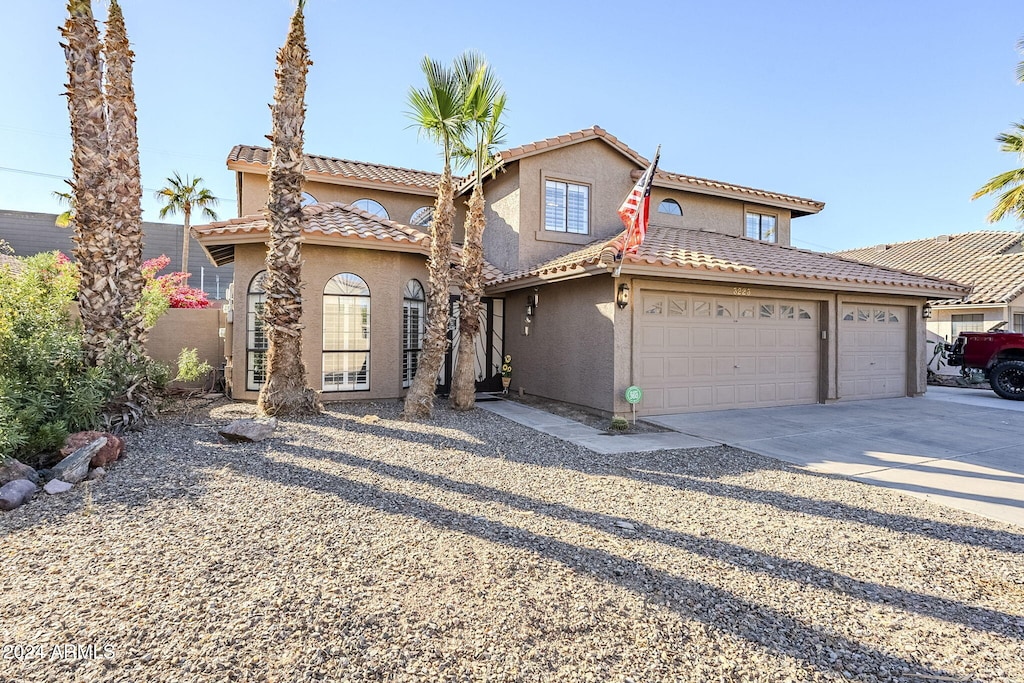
(125, 176)
(98, 296)
(484, 104)
(285, 391)
(65, 218)
(1009, 185)
(437, 110)
(181, 196)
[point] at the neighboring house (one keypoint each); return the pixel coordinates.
(991, 261)
(715, 311)
(33, 233)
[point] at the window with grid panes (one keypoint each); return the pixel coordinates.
(566, 207)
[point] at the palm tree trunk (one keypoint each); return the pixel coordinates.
(184, 244)
(285, 391)
(126, 210)
(419, 401)
(463, 394)
(98, 293)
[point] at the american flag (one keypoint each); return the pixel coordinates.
(636, 210)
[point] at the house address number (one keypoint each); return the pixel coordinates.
(741, 291)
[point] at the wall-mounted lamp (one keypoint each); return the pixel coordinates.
(622, 296)
(926, 311)
(531, 305)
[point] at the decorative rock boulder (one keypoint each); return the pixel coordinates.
(12, 469)
(55, 486)
(106, 455)
(249, 430)
(15, 493)
(75, 467)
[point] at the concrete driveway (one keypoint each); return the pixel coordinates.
(958, 447)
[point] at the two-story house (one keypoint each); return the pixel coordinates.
(715, 311)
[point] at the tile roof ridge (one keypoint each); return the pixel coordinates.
(932, 238)
(233, 156)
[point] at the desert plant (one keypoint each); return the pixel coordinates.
(190, 368)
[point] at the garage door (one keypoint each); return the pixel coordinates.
(872, 351)
(696, 352)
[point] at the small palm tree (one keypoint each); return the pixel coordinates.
(181, 196)
(437, 110)
(484, 105)
(285, 391)
(65, 217)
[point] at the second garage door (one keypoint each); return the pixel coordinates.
(872, 351)
(697, 352)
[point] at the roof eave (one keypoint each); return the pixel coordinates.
(338, 179)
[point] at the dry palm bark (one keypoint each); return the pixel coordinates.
(98, 288)
(463, 393)
(285, 391)
(419, 401)
(126, 190)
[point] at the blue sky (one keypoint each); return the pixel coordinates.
(886, 111)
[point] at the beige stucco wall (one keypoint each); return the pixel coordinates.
(714, 214)
(941, 322)
(385, 273)
(569, 353)
(192, 328)
(501, 237)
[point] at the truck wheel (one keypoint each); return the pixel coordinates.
(1007, 379)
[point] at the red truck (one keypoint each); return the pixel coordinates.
(999, 355)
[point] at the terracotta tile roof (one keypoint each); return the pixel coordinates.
(802, 206)
(693, 253)
(328, 222)
(991, 260)
(330, 166)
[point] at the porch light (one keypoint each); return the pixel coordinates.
(622, 296)
(531, 306)
(926, 311)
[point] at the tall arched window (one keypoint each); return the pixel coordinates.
(255, 335)
(371, 206)
(413, 313)
(346, 355)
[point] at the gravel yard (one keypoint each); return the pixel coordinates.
(358, 547)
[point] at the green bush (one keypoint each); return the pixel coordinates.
(47, 390)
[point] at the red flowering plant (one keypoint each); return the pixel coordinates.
(167, 291)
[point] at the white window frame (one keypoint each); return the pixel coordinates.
(414, 313)
(557, 217)
(256, 342)
(352, 329)
(773, 233)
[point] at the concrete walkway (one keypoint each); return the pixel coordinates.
(963, 448)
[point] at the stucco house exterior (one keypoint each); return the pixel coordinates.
(715, 311)
(990, 261)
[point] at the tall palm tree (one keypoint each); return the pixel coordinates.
(437, 110)
(98, 294)
(181, 196)
(285, 391)
(1009, 185)
(125, 176)
(484, 104)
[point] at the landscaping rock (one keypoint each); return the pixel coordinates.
(75, 467)
(249, 429)
(97, 474)
(106, 455)
(12, 469)
(15, 493)
(55, 486)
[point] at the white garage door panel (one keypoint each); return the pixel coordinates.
(872, 351)
(711, 353)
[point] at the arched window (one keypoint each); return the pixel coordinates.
(255, 335)
(414, 310)
(422, 217)
(671, 207)
(308, 199)
(371, 206)
(346, 355)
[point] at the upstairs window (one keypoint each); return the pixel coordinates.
(422, 217)
(372, 207)
(671, 207)
(761, 226)
(967, 322)
(566, 207)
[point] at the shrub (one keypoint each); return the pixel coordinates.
(190, 368)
